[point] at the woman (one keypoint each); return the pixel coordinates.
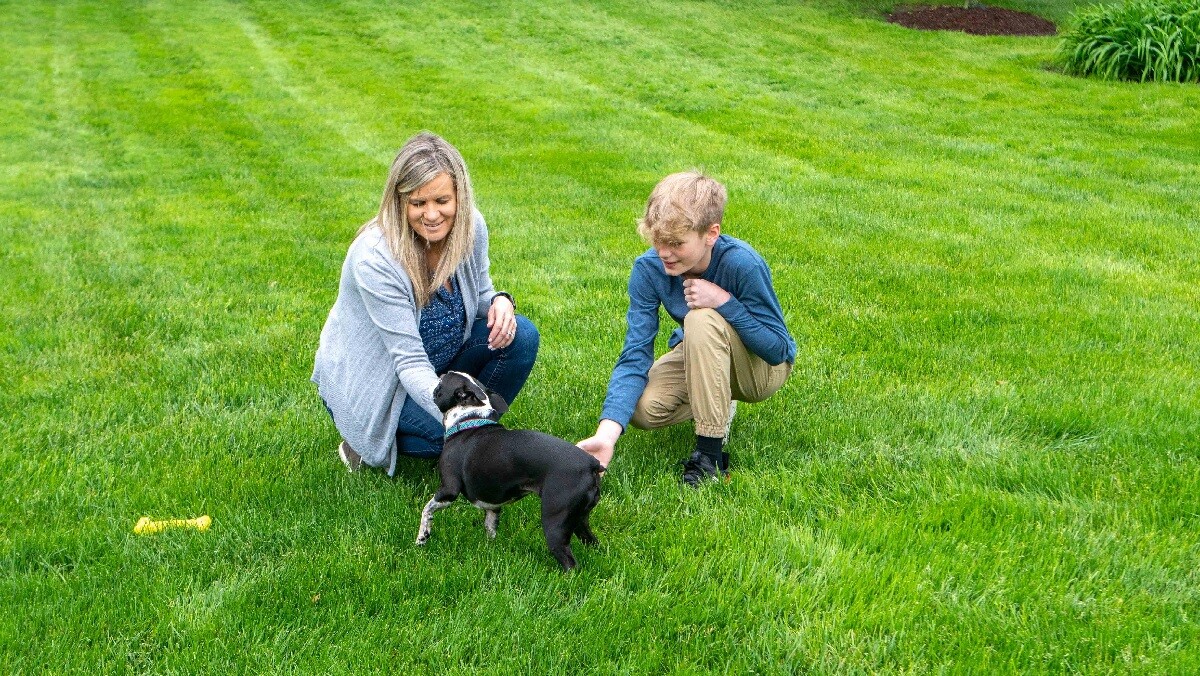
(415, 301)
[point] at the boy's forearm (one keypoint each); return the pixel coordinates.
(625, 388)
(756, 335)
(609, 430)
(628, 377)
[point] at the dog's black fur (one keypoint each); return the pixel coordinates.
(492, 466)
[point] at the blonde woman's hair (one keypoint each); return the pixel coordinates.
(682, 202)
(419, 161)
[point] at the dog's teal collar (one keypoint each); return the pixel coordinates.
(466, 425)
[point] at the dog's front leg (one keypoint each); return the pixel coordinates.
(490, 521)
(427, 517)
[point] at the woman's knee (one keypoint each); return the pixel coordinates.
(525, 344)
(416, 446)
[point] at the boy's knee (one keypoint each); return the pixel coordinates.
(640, 420)
(650, 413)
(704, 321)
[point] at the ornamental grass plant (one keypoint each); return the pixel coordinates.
(1141, 40)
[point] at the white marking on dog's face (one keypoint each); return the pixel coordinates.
(458, 413)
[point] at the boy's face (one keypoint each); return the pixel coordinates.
(690, 254)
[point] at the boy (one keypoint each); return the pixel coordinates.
(732, 344)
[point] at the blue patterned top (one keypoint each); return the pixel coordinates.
(443, 326)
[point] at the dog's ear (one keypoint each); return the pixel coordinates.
(475, 390)
(498, 403)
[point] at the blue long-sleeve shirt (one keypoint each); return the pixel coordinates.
(753, 311)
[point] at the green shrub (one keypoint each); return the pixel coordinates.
(1138, 40)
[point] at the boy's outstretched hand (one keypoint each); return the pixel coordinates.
(603, 442)
(701, 293)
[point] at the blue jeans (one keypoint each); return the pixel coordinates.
(504, 371)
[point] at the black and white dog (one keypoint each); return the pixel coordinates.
(492, 466)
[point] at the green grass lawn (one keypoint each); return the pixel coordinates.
(986, 459)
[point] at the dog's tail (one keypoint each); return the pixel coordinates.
(595, 466)
(594, 491)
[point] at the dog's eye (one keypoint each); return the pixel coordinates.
(463, 394)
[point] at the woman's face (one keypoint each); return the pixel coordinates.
(431, 208)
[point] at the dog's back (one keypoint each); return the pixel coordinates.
(530, 460)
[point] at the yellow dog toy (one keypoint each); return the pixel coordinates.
(148, 526)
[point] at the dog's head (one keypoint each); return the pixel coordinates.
(458, 396)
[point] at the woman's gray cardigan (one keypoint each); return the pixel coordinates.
(371, 357)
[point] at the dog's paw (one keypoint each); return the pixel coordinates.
(422, 538)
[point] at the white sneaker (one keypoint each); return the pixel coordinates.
(729, 422)
(350, 458)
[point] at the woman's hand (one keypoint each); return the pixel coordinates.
(502, 320)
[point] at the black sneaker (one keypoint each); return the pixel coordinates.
(700, 468)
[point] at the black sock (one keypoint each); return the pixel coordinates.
(711, 447)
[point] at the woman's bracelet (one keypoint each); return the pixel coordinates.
(506, 295)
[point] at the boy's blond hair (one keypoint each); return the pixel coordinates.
(682, 202)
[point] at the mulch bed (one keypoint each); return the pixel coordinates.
(973, 20)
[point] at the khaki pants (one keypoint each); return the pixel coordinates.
(698, 379)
